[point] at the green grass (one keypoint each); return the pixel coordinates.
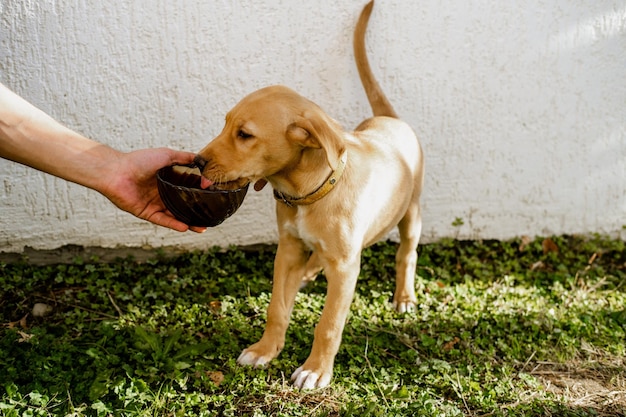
(512, 328)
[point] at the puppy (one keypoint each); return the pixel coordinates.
(337, 192)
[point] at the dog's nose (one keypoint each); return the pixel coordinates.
(200, 162)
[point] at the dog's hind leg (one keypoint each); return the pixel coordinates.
(410, 227)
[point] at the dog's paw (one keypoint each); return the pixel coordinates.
(404, 306)
(308, 379)
(251, 358)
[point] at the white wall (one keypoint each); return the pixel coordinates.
(521, 105)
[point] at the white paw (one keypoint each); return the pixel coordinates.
(251, 358)
(305, 379)
(404, 307)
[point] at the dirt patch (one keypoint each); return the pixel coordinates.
(597, 385)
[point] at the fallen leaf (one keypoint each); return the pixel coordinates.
(21, 322)
(216, 377)
(24, 337)
(548, 246)
(451, 344)
(526, 240)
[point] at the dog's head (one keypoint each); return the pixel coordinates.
(267, 134)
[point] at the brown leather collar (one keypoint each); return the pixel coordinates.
(323, 189)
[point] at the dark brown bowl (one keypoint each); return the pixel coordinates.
(179, 187)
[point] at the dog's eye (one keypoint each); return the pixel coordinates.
(243, 135)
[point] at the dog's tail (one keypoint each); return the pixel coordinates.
(378, 101)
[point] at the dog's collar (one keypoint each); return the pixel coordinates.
(321, 191)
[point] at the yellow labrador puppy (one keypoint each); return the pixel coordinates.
(337, 192)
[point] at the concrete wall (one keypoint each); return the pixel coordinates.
(521, 105)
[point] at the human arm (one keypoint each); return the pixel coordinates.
(31, 137)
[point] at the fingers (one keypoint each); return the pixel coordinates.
(166, 219)
(160, 218)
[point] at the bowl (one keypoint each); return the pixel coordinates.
(179, 188)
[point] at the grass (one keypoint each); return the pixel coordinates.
(516, 328)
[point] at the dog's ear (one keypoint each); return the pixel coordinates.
(316, 130)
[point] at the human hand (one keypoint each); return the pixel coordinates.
(132, 185)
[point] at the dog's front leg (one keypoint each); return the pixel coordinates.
(289, 267)
(317, 370)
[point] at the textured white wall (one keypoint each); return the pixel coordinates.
(521, 105)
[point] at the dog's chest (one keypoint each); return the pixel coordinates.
(300, 227)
